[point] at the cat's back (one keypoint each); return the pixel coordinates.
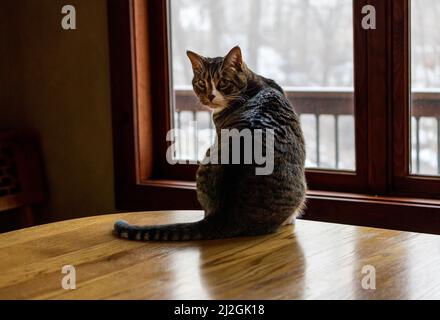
(268, 109)
(267, 198)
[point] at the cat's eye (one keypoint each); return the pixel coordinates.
(201, 83)
(223, 83)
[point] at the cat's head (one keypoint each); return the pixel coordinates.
(219, 81)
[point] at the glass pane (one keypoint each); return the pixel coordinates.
(425, 84)
(306, 46)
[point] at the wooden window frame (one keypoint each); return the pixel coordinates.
(141, 114)
(405, 183)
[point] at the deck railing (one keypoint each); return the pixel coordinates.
(334, 103)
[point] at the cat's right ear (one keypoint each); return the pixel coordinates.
(196, 61)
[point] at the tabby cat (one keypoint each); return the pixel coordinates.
(236, 201)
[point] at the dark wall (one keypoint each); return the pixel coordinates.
(57, 83)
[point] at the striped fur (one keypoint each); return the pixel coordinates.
(237, 202)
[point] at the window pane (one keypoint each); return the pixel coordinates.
(425, 64)
(304, 45)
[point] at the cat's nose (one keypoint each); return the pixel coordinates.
(211, 97)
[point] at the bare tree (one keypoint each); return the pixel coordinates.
(254, 21)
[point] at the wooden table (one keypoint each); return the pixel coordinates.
(312, 260)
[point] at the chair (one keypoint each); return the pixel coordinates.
(21, 179)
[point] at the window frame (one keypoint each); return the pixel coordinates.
(141, 112)
(317, 178)
(405, 183)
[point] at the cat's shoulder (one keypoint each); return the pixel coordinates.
(268, 99)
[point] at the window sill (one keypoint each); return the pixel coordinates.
(406, 214)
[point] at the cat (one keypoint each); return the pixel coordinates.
(237, 201)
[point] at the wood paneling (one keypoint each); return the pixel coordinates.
(377, 97)
(55, 83)
(312, 260)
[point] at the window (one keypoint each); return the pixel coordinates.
(331, 108)
(371, 118)
(425, 87)
(289, 41)
(416, 99)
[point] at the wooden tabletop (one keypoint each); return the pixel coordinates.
(313, 260)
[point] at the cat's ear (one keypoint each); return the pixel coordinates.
(196, 61)
(234, 58)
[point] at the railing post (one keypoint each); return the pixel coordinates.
(417, 144)
(179, 138)
(438, 145)
(318, 143)
(195, 136)
(336, 141)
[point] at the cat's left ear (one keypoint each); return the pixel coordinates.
(234, 58)
(196, 61)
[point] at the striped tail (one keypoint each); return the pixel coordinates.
(200, 230)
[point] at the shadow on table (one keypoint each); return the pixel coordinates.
(263, 267)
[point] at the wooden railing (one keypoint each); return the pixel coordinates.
(335, 103)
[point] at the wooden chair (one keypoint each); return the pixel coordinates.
(21, 179)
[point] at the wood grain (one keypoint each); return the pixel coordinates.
(312, 260)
